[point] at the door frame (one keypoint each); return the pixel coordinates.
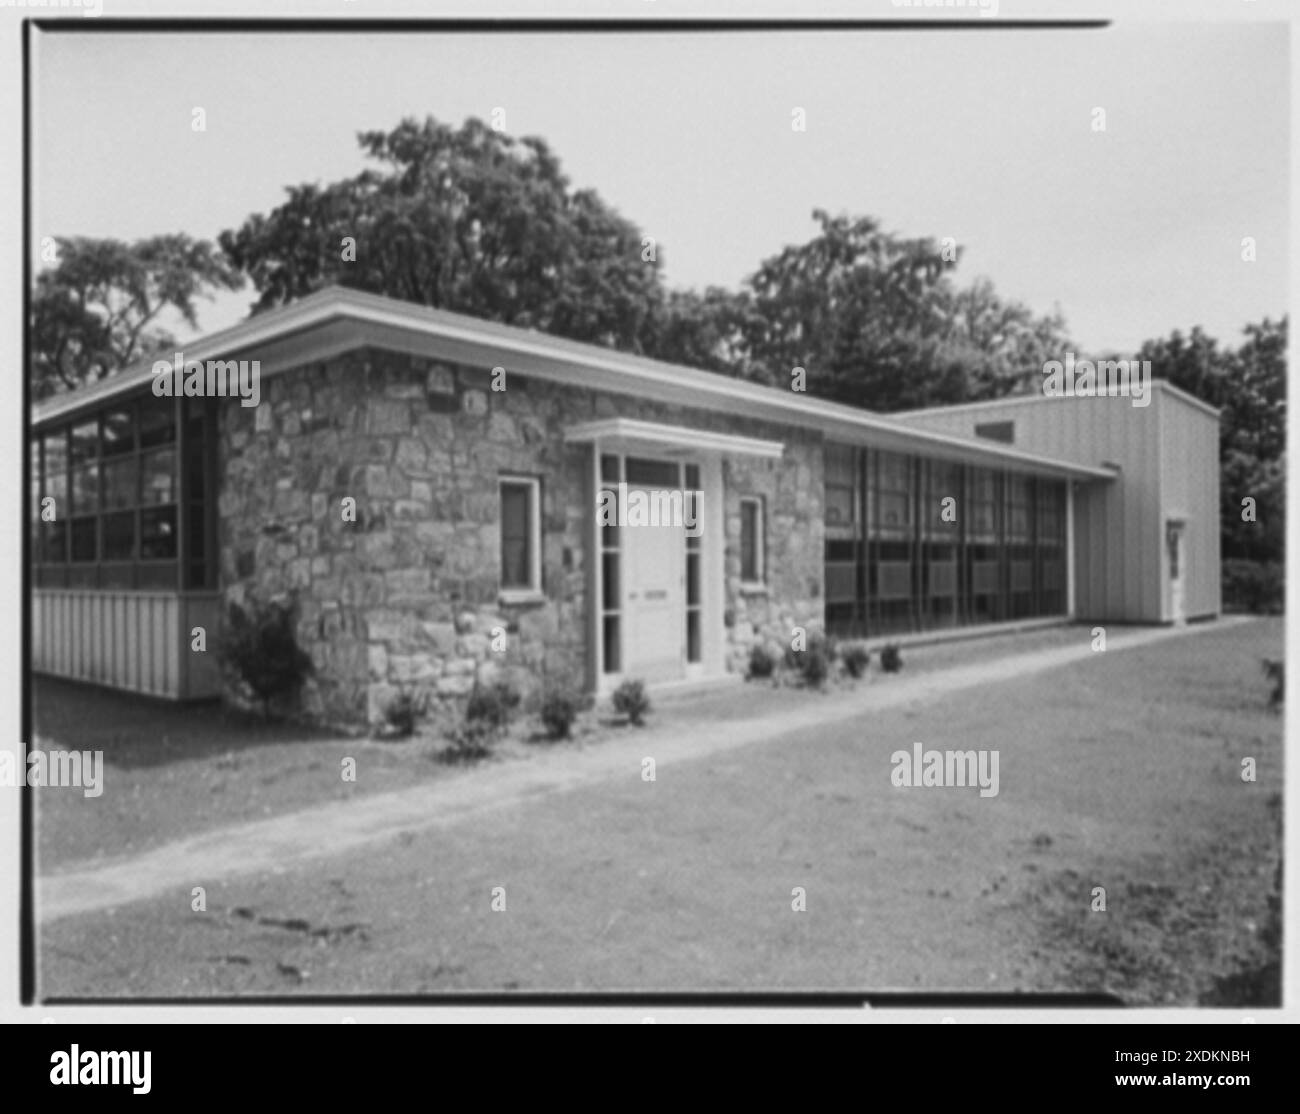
(710, 608)
(1175, 554)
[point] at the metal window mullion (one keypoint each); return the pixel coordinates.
(137, 510)
(860, 540)
(180, 476)
(211, 537)
(99, 500)
(917, 470)
(179, 473)
(963, 512)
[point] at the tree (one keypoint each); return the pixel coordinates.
(705, 330)
(1254, 444)
(466, 219)
(1002, 344)
(96, 310)
(876, 321)
(1249, 387)
(475, 221)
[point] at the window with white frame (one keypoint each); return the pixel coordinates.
(521, 535)
(752, 570)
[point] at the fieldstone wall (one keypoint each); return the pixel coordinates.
(792, 490)
(405, 598)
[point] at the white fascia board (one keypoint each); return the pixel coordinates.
(572, 362)
(631, 430)
(272, 326)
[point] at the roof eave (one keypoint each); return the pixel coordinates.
(435, 332)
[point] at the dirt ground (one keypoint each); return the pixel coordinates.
(1122, 773)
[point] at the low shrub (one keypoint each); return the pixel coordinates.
(493, 704)
(1275, 671)
(259, 646)
(559, 710)
(1255, 586)
(815, 665)
(793, 659)
(761, 662)
(856, 658)
(399, 717)
(630, 700)
(891, 658)
(469, 741)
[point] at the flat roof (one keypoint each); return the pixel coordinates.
(993, 403)
(337, 319)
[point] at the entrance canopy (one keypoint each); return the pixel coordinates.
(636, 436)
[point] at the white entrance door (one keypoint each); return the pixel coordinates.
(654, 601)
(1177, 571)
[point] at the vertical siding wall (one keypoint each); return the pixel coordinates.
(138, 641)
(1189, 452)
(1119, 524)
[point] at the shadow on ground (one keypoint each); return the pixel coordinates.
(137, 731)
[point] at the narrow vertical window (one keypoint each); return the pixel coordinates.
(611, 472)
(751, 541)
(520, 536)
(84, 491)
(54, 533)
(694, 597)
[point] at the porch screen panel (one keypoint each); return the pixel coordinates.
(1051, 554)
(892, 544)
(83, 501)
(941, 532)
(115, 481)
(983, 554)
(34, 497)
(120, 525)
(845, 549)
(53, 553)
(1021, 588)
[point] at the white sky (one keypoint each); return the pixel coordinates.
(982, 135)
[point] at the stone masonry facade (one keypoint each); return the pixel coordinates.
(405, 598)
(791, 490)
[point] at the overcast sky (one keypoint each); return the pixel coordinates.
(986, 136)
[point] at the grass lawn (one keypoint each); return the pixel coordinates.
(171, 770)
(174, 770)
(1121, 772)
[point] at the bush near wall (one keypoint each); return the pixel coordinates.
(1255, 586)
(260, 651)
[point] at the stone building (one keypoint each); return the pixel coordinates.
(425, 487)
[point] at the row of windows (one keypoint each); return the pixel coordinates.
(915, 544)
(891, 494)
(121, 499)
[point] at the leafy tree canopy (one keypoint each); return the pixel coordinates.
(475, 221)
(96, 309)
(1249, 386)
(464, 219)
(875, 320)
